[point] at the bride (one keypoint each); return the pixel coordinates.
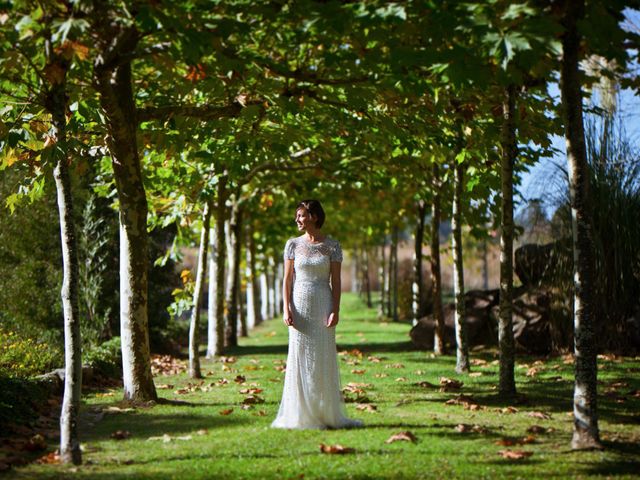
(311, 398)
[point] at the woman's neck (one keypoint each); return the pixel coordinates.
(314, 235)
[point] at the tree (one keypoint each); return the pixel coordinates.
(585, 428)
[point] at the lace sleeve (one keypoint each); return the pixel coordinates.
(289, 250)
(336, 252)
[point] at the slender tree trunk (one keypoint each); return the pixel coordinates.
(237, 232)
(221, 253)
(255, 281)
(355, 271)
(418, 281)
(277, 292)
(389, 282)
(212, 307)
(194, 327)
(585, 427)
(249, 272)
(365, 275)
(462, 349)
(507, 383)
(485, 264)
(383, 282)
(56, 104)
(231, 321)
(112, 77)
(436, 273)
(264, 293)
(271, 278)
(394, 274)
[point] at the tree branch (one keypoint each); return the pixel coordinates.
(202, 112)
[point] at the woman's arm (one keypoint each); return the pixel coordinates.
(336, 288)
(287, 283)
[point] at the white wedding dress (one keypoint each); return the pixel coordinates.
(311, 398)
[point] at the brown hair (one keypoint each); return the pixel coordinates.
(315, 209)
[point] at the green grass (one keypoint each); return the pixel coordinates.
(242, 445)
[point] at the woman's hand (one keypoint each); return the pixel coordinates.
(288, 320)
(332, 321)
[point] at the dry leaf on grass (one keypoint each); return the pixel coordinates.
(367, 407)
(381, 375)
(466, 428)
(240, 379)
(50, 458)
(336, 449)
(508, 410)
(394, 365)
(252, 400)
(228, 359)
(250, 391)
(402, 437)
(121, 434)
(540, 415)
(514, 454)
(401, 379)
(358, 372)
(450, 384)
(165, 386)
(226, 411)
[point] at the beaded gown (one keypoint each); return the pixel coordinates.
(311, 397)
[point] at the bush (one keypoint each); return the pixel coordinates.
(23, 357)
(106, 359)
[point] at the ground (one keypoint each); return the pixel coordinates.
(219, 427)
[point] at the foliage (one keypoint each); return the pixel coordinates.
(23, 357)
(106, 358)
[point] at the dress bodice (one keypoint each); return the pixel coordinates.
(312, 261)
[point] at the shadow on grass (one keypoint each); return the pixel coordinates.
(365, 348)
(143, 426)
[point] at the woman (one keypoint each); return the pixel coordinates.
(311, 396)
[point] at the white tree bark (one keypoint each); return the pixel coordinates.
(212, 306)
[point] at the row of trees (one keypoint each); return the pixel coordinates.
(225, 112)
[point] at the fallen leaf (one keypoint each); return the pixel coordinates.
(358, 372)
(505, 442)
(402, 437)
(450, 384)
(374, 359)
(514, 454)
(425, 384)
(508, 410)
(366, 407)
(401, 379)
(240, 379)
(540, 415)
(381, 375)
(165, 386)
(121, 434)
(336, 449)
(252, 400)
(466, 428)
(478, 362)
(395, 365)
(50, 458)
(228, 359)
(226, 411)
(250, 391)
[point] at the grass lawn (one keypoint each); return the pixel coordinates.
(195, 435)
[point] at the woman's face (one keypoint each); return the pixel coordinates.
(304, 220)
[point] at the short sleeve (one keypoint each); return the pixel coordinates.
(336, 252)
(289, 250)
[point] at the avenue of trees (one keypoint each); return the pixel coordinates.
(165, 124)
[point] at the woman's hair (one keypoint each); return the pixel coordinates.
(314, 208)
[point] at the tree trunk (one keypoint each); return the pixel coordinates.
(418, 281)
(271, 281)
(383, 282)
(264, 293)
(355, 271)
(365, 276)
(394, 274)
(231, 301)
(507, 383)
(485, 264)
(436, 273)
(56, 104)
(278, 278)
(194, 327)
(220, 265)
(249, 273)
(242, 319)
(255, 281)
(212, 308)
(112, 77)
(462, 349)
(585, 427)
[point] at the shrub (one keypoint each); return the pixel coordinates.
(22, 357)
(106, 358)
